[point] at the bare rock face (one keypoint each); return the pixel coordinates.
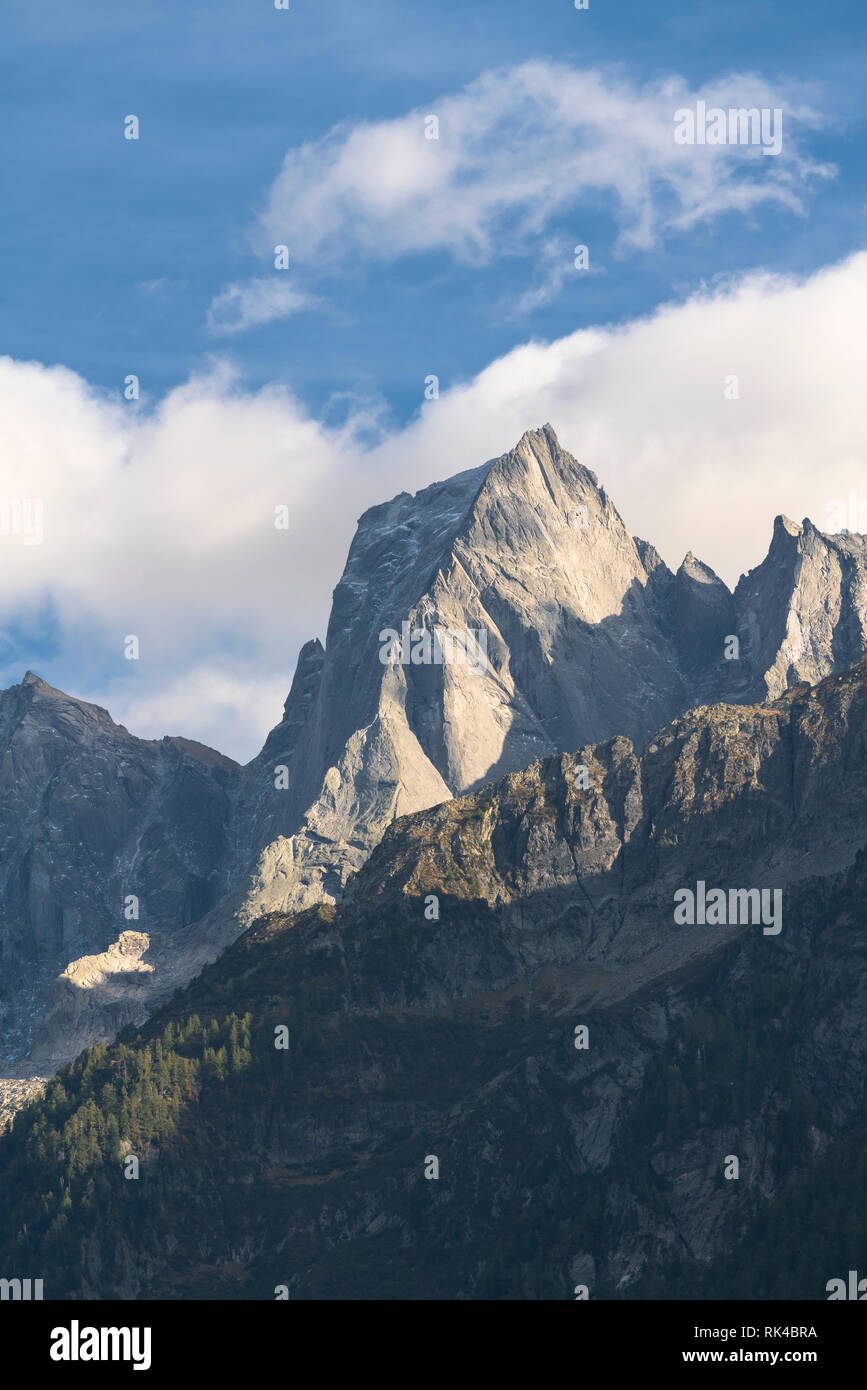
(804, 609)
(93, 999)
(523, 576)
(587, 634)
(16, 1092)
(499, 617)
(97, 826)
(704, 616)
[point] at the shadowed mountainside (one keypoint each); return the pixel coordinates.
(433, 1015)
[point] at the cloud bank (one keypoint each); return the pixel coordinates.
(160, 522)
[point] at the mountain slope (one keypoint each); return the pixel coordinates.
(91, 817)
(416, 1035)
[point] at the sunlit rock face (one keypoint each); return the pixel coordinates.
(586, 634)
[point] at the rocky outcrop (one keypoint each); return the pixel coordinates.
(802, 611)
(93, 999)
(16, 1092)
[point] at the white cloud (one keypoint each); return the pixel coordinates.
(161, 524)
(556, 262)
(204, 702)
(516, 149)
(643, 405)
(254, 302)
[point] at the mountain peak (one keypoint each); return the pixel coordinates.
(31, 679)
(542, 448)
(782, 525)
(587, 635)
(693, 568)
(51, 699)
(544, 436)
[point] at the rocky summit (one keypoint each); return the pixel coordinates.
(500, 617)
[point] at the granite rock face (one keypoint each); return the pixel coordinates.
(804, 609)
(587, 633)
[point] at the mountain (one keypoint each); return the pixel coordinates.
(557, 630)
(803, 609)
(588, 634)
(438, 1126)
(90, 818)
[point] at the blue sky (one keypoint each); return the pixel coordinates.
(408, 258)
(113, 250)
